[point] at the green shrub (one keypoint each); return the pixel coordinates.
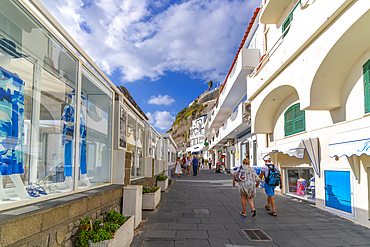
(99, 230)
(150, 189)
(162, 177)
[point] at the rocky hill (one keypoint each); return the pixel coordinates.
(200, 106)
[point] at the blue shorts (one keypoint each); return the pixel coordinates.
(269, 190)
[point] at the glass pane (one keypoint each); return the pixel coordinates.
(289, 115)
(37, 121)
(139, 150)
(95, 132)
(131, 140)
(301, 182)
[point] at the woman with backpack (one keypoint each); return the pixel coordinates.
(247, 178)
(272, 179)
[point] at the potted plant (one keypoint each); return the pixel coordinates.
(114, 231)
(151, 197)
(162, 181)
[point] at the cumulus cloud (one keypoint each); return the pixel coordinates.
(147, 38)
(161, 119)
(161, 100)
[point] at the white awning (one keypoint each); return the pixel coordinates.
(297, 148)
(353, 142)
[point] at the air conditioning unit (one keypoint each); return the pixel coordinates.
(246, 108)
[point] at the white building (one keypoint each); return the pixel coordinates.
(196, 137)
(228, 126)
(310, 101)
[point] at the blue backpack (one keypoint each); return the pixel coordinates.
(273, 179)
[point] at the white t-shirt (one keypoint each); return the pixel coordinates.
(188, 162)
(266, 169)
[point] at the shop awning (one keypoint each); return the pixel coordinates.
(351, 144)
(297, 148)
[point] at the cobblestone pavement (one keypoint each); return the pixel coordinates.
(204, 211)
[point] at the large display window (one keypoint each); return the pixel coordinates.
(301, 182)
(47, 125)
(135, 144)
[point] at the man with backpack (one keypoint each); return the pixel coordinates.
(272, 179)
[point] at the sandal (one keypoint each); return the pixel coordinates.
(272, 213)
(40, 190)
(254, 212)
(244, 215)
(267, 207)
(32, 191)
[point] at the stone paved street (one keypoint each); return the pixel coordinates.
(204, 211)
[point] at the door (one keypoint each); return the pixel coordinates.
(338, 190)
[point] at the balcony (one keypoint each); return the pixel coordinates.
(236, 87)
(236, 124)
(273, 10)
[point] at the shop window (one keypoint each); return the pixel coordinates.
(288, 21)
(294, 120)
(366, 75)
(95, 131)
(301, 182)
(135, 142)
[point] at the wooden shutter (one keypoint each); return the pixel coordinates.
(366, 75)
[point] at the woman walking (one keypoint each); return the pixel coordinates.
(247, 188)
(178, 170)
(188, 164)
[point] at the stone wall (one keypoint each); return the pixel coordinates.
(56, 222)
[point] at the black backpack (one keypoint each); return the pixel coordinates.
(273, 179)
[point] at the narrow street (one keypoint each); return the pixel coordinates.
(204, 211)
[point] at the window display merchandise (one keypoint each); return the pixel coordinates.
(68, 116)
(11, 121)
(38, 114)
(301, 182)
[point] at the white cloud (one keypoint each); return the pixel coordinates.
(161, 119)
(146, 38)
(161, 100)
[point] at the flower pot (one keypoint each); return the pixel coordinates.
(163, 184)
(122, 238)
(151, 200)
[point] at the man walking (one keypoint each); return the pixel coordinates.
(268, 169)
(195, 163)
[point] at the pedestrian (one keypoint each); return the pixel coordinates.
(270, 189)
(188, 164)
(247, 188)
(202, 163)
(195, 163)
(178, 167)
(183, 164)
(210, 163)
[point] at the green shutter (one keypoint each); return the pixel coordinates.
(366, 75)
(294, 120)
(286, 23)
(288, 20)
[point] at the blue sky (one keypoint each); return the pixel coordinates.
(164, 52)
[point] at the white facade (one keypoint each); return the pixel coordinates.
(311, 86)
(228, 124)
(197, 136)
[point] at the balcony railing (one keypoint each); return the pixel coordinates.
(235, 114)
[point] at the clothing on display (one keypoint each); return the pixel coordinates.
(68, 118)
(11, 123)
(301, 187)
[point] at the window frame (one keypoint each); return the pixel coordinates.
(294, 120)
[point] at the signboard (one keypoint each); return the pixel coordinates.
(231, 148)
(122, 127)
